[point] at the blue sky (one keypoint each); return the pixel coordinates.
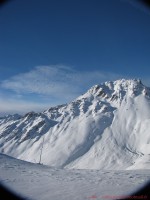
(51, 52)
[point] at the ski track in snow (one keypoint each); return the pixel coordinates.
(39, 182)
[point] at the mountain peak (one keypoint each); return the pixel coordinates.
(106, 128)
(120, 88)
(128, 83)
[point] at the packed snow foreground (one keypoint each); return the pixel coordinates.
(107, 128)
(39, 182)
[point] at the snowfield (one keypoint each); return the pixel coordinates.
(108, 127)
(97, 146)
(38, 182)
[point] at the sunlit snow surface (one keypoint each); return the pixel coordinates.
(108, 128)
(39, 182)
(101, 142)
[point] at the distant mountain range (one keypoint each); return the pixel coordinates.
(108, 127)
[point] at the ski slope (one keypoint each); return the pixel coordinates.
(38, 182)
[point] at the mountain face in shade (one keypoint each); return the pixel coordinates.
(108, 127)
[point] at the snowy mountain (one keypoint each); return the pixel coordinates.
(108, 127)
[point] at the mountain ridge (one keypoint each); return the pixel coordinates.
(105, 128)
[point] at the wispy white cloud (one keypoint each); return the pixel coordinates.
(58, 84)
(56, 81)
(20, 107)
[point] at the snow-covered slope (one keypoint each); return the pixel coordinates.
(106, 128)
(39, 182)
